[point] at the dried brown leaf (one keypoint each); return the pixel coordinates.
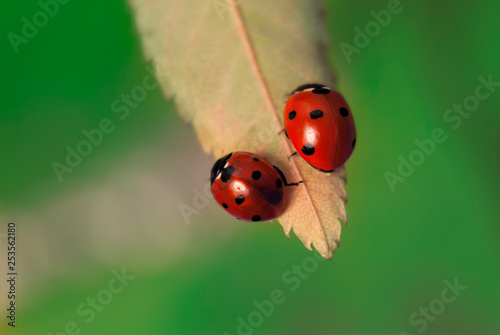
(230, 66)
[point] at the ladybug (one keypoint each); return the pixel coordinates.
(320, 126)
(248, 187)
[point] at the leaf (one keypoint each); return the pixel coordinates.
(230, 67)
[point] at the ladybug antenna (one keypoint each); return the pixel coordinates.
(282, 175)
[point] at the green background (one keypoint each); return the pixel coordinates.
(120, 206)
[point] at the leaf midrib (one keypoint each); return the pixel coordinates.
(242, 30)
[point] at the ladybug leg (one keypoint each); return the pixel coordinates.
(284, 178)
(292, 154)
(284, 131)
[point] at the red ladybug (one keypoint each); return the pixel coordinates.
(320, 126)
(249, 187)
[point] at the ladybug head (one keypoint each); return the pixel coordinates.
(218, 166)
(306, 87)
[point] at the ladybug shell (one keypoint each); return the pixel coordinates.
(248, 187)
(320, 126)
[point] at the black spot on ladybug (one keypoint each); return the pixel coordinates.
(256, 159)
(344, 112)
(256, 175)
(239, 199)
(279, 183)
(308, 149)
(255, 218)
(316, 114)
(274, 197)
(227, 173)
(224, 205)
(292, 115)
(322, 90)
(353, 143)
